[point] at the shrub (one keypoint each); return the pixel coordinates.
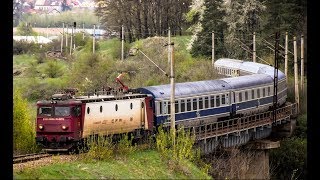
(23, 125)
(183, 148)
(53, 69)
(98, 148)
(290, 160)
(124, 147)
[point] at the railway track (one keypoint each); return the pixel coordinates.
(29, 157)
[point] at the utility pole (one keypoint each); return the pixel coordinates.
(286, 58)
(275, 78)
(302, 64)
(122, 42)
(169, 50)
(212, 53)
(172, 98)
(67, 38)
(71, 40)
(94, 39)
(296, 80)
(62, 37)
(74, 39)
(254, 47)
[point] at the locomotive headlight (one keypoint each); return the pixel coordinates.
(40, 126)
(64, 127)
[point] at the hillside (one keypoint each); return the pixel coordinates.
(146, 164)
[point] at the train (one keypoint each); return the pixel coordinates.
(65, 120)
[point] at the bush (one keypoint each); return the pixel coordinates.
(23, 126)
(124, 147)
(98, 148)
(102, 148)
(290, 160)
(24, 47)
(53, 69)
(183, 149)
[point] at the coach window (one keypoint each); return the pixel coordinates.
(227, 98)
(182, 104)
(240, 96)
(206, 102)
(252, 94)
(269, 93)
(194, 104)
(176, 107)
(263, 92)
(200, 103)
(246, 95)
(218, 100)
(101, 108)
(160, 108)
(212, 101)
(258, 93)
(116, 107)
(223, 99)
(188, 104)
(88, 110)
(169, 107)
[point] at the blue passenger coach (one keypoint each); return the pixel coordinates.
(211, 100)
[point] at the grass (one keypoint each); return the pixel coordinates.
(146, 164)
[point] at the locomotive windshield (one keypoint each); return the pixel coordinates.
(62, 111)
(54, 111)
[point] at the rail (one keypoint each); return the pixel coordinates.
(237, 125)
(29, 157)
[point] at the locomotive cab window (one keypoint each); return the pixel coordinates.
(46, 111)
(76, 111)
(62, 111)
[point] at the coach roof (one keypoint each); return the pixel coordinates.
(186, 89)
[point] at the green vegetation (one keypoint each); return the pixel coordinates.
(290, 160)
(23, 125)
(25, 29)
(146, 164)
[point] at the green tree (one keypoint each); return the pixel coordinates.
(211, 22)
(290, 160)
(23, 125)
(53, 69)
(243, 17)
(25, 29)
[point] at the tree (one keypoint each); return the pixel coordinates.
(23, 125)
(211, 22)
(243, 17)
(25, 29)
(142, 18)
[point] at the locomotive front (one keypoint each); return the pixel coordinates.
(58, 125)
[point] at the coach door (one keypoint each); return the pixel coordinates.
(142, 112)
(233, 107)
